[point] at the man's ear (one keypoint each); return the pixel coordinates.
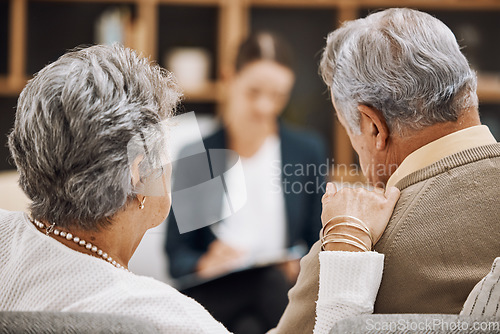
(378, 127)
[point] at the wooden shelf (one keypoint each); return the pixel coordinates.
(11, 87)
(211, 92)
(192, 2)
(421, 4)
(432, 4)
(488, 92)
(153, 2)
(297, 3)
(232, 21)
(488, 88)
(91, 1)
(4, 85)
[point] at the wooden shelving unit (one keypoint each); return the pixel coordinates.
(232, 26)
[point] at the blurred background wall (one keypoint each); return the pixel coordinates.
(202, 36)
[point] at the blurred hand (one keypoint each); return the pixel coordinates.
(220, 258)
(374, 207)
(291, 270)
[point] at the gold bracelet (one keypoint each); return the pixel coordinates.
(344, 241)
(346, 235)
(356, 226)
(347, 217)
(343, 218)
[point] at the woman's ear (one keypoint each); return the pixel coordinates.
(379, 131)
(134, 170)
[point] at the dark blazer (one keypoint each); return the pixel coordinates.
(301, 154)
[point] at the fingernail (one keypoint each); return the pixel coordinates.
(329, 187)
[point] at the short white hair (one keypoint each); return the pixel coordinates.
(74, 121)
(405, 63)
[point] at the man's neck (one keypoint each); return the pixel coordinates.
(402, 146)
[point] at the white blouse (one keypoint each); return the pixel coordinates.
(259, 228)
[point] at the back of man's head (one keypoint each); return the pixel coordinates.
(405, 63)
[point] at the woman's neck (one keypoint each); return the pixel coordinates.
(119, 240)
(247, 139)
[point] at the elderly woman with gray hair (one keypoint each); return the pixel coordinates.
(71, 142)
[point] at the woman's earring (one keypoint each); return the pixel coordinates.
(141, 205)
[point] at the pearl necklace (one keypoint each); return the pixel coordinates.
(68, 236)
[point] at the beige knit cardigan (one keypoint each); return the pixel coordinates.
(440, 241)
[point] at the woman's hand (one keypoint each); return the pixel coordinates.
(291, 270)
(374, 208)
(219, 259)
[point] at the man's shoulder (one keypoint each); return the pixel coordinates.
(482, 163)
(461, 185)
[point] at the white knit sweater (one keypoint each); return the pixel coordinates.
(348, 286)
(37, 273)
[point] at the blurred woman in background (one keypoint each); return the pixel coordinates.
(284, 189)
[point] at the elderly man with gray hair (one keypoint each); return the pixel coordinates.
(407, 97)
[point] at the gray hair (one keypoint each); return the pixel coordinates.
(405, 63)
(73, 122)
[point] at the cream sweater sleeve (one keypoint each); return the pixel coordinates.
(348, 286)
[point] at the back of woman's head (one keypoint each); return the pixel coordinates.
(74, 120)
(263, 46)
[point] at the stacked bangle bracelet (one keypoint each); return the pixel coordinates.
(349, 221)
